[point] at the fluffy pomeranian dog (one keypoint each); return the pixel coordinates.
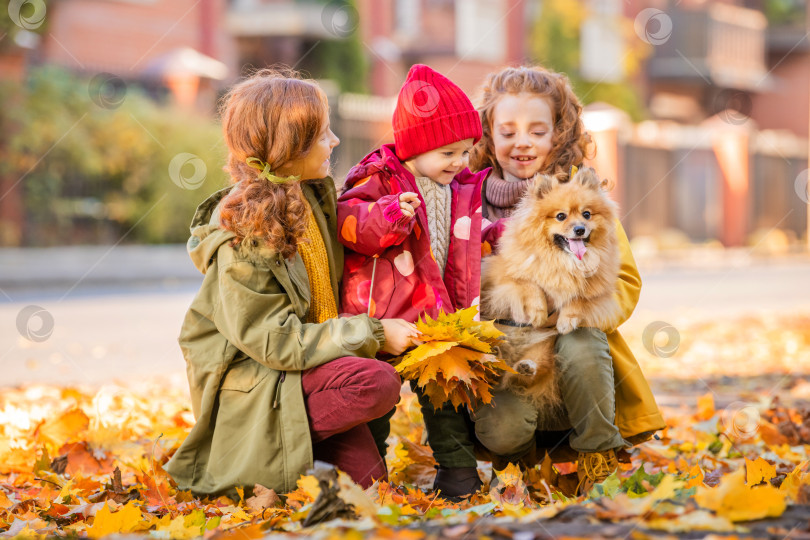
(558, 259)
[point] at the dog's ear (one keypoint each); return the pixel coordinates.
(588, 178)
(543, 184)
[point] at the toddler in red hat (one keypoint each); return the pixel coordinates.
(410, 218)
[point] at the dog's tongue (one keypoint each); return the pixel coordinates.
(577, 247)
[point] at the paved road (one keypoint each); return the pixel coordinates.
(111, 333)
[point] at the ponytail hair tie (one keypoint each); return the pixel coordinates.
(267, 174)
(574, 170)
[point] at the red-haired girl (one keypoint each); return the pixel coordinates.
(276, 377)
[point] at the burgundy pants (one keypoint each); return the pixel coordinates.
(341, 396)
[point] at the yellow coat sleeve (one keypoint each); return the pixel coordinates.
(628, 288)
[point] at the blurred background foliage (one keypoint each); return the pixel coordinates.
(343, 61)
(785, 12)
(555, 44)
(90, 173)
(10, 31)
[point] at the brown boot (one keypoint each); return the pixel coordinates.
(594, 467)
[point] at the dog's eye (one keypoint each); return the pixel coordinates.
(586, 214)
(560, 217)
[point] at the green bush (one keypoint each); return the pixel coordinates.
(785, 12)
(92, 173)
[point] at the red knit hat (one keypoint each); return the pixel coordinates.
(432, 112)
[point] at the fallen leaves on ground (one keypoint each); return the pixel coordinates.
(90, 463)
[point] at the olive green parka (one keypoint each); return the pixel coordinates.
(245, 346)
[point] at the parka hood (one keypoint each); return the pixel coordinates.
(374, 162)
(206, 234)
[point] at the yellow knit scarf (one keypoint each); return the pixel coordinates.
(313, 252)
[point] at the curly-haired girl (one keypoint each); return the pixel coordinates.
(532, 125)
(276, 377)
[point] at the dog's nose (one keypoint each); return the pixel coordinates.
(579, 230)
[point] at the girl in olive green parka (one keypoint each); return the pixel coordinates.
(276, 378)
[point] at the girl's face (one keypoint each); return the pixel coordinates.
(315, 164)
(522, 131)
(442, 164)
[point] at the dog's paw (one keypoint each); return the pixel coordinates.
(535, 315)
(567, 323)
(526, 367)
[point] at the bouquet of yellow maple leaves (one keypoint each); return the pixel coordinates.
(455, 363)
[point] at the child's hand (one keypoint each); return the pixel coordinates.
(399, 335)
(408, 203)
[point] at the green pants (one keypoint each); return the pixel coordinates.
(380, 430)
(450, 433)
(508, 425)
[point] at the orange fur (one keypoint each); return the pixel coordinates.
(533, 275)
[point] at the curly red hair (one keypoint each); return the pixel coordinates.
(274, 116)
(570, 142)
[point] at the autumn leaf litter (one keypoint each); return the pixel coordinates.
(89, 462)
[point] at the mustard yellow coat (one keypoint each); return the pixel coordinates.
(636, 410)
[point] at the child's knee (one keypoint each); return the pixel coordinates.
(388, 384)
(587, 348)
(504, 437)
(375, 383)
(507, 425)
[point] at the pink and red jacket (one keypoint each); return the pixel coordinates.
(407, 280)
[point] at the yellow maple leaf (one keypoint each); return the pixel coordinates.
(705, 406)
(307, 491)
(186, 526)
(413, 464)
(758, 471)
(509, 475)
(64, 428)
(735, 501)
(487, 331)
(453, 364)
(695, 477)
(452, 326)
(793, 481)
(424, 351)
(108, 522)
(353, 494)
(509, 489)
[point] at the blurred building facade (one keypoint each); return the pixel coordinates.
(465, 40)
(726, 89)
(129, 38)
(724, 150)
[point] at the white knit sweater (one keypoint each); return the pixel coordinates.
(438, 200)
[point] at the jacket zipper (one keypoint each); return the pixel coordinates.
(371, 285)
(278, 389)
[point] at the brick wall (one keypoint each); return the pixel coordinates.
(123, 36)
